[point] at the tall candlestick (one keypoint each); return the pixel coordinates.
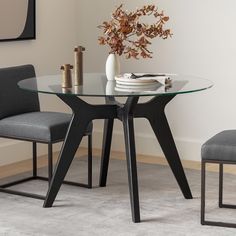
(79, 65)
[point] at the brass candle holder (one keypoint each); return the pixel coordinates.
(66, 76)
(79, 65)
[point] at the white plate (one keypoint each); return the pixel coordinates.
(137, 83)
(129, 90)
(143, 86)
(139, 89)
(146, 88)
(125, 78)
(121, 79)
(159, 73)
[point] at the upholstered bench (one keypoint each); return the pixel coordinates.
(220, 149)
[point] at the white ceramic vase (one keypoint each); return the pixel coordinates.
(110, 87)
(112, 66)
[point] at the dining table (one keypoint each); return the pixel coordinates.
(124, 104)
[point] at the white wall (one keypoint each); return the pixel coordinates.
(56, 38)
(203, 44)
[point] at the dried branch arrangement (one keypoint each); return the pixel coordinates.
(126, 34)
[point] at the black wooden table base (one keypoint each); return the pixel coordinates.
(84, 113)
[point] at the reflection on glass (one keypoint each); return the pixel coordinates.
(96, 85)
(110, 87)
(66, 90)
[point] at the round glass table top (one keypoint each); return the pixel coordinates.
(97, 85)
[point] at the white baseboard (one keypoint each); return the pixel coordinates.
(14, 151)
(147, 144)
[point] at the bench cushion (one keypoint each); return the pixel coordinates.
(221, 147)
(37, 126)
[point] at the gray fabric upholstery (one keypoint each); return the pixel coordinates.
(14, 100)
(20, 115)
(220, 147)
(38, 126)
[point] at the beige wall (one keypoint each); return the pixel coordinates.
(56, 38)
(203, 44)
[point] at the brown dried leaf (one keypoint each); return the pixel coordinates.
(125, 29)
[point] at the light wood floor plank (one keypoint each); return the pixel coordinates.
(26, 165)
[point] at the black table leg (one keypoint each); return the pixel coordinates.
(154, 111)
(128, 124)
(106, 145)
(163, 133)
(83, 114)
(73, 138)
(106, 148)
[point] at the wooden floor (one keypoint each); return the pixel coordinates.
(25, 166)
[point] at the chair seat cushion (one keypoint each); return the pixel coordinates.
(37, 126)
(221, 147)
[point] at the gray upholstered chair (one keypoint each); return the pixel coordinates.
(21, 119)
(220, 149)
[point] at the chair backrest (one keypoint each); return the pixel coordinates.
(13, 100)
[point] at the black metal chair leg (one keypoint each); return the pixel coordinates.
(203, 196)
(50, 167)
(90, 163)
(23, 194)
(50, 162)
(34, 159)
(221, 185)
(203, 189)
